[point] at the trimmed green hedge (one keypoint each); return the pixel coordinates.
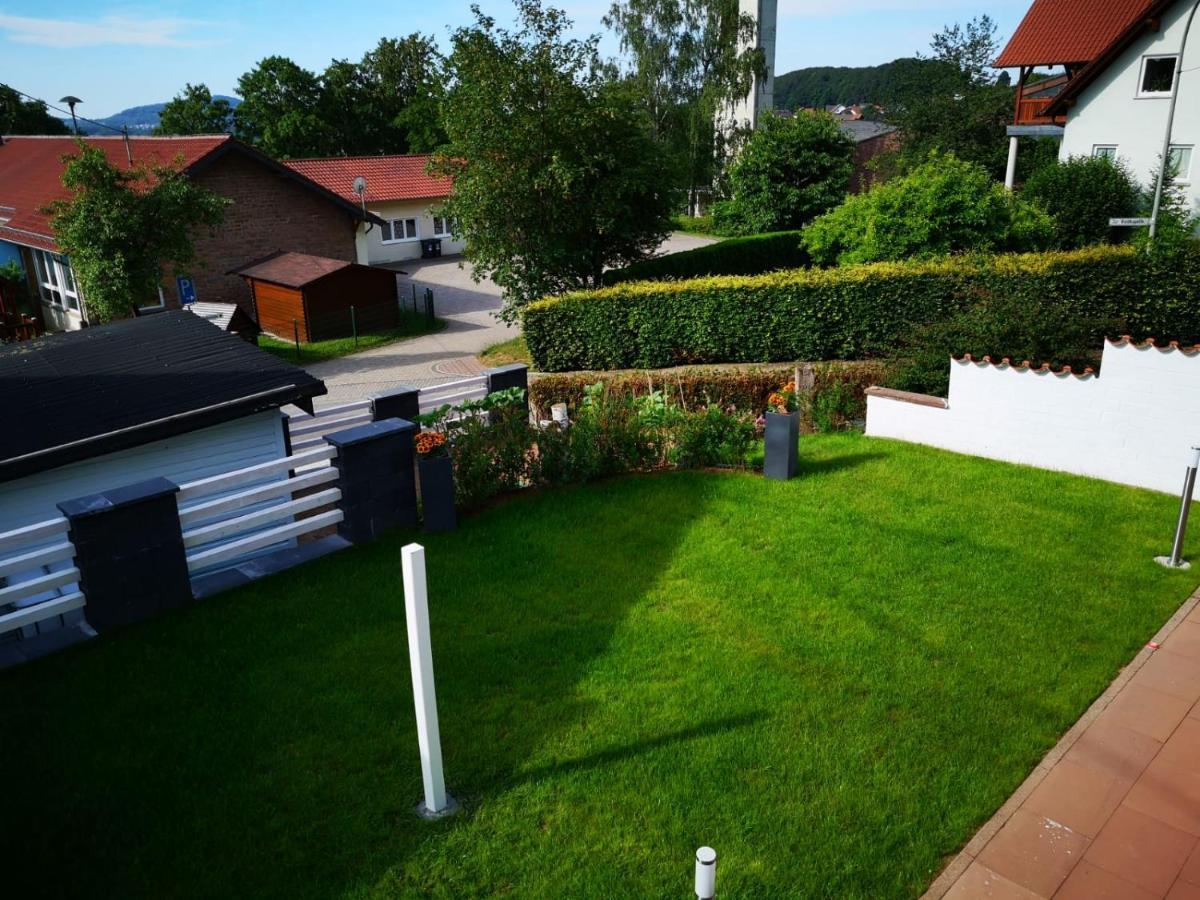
(751, 255)
(848, 312)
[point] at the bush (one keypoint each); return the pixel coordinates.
(742, 389)
(693, 224)
(790, 171)
(736, 256)
(1082, 193)
(850, 312)
(999, 327)
(943, 206)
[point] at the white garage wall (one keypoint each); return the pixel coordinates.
(371, 248)
(186, 457)
(1133, 424)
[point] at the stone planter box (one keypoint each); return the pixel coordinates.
(437, 493)
(781, 439)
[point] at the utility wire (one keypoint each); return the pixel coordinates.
(65, 112)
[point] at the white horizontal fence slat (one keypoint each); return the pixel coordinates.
(324, 426)
(33, 586)
(229, 480)
(197, 512)
(203, 559)
(31, 615)
(240, 524)
(32, 559)
(340, 409)
(33, 534)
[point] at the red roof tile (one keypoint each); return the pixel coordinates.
(31, 171)
(1057, 32)
(388, 177)
(292, 269)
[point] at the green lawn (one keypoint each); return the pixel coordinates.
(411, 325)
(833, 681)
(506, 352)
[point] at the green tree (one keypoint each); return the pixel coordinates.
(281, 113)
(122, 228)
(405, 84)
(690, 60)
(557, 176)
(944, 206)
(21, 116)
(1083, 193)
(789, 172)
(954, 105)
(195, 111)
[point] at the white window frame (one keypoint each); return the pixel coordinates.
(445, 231)
(1185, 172)
(1156, 95)
(416, 221)
(53, 273)
(1097, 151)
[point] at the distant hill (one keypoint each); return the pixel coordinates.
(139, 119)
(825, 85)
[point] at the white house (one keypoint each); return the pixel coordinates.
(398, 190)
(1121, 62)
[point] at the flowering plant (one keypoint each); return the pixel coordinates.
(431, 443)
(784, 399)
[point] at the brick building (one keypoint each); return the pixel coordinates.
(273, 208)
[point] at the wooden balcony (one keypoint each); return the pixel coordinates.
(1033, 100)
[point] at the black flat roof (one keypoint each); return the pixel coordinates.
(73, 396)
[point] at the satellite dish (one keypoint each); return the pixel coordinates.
(360, 185)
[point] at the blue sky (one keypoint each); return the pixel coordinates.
(118, 55)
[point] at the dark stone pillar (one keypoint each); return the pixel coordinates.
(399, 403)
(129, 550)
(504, 377)
(376, 477)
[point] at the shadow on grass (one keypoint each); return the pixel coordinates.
(809, 466)
(262, 743)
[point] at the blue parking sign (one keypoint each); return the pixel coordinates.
(187, 290)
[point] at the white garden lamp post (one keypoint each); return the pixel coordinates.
(437, 802)
(706, 873)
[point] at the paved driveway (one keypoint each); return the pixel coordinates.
(469, 310)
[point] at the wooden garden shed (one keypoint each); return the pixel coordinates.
(317, 298)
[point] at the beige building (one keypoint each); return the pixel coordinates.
(398, 190)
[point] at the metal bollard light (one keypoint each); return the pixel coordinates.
(1176, 560)
(706, 873)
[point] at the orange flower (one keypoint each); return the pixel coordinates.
(429, 441)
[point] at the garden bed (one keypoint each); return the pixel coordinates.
(833, 681)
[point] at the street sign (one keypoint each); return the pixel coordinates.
(1128, 223)
(187, 290)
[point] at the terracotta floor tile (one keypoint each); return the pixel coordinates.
(1172, 674)
(979, 881)
(1141, 849)
(1169, 794)
(1185, 639)
(1088, 882)
(1078, 797)
(1191, 868)
(1034, 852)
(1182, 749)
(1148, 711)
(1183, 890)
(1113, 749)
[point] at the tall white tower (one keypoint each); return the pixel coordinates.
(748, 110)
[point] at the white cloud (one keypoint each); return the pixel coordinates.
(108, 30)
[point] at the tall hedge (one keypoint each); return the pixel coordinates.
(751, 255)
(848, 312)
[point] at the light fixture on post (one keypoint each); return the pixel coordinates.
(71, 100)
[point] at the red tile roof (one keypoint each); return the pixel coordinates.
(293, 270)
(1057, 32)
(31, 171)
(388, 177)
